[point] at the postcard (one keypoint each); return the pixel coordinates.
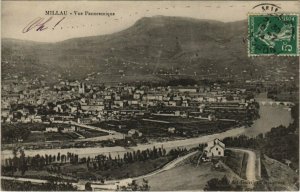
(150, 95)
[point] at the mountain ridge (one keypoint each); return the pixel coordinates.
(151, 47)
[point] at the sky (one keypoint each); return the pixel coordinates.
(17, 15)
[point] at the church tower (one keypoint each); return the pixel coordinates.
(81, 88)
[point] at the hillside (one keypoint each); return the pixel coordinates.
(279, 176)
(151, 47)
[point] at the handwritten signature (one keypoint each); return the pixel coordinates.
(41, 24)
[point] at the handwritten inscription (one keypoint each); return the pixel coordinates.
(41, 24)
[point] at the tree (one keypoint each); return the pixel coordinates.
(160, 154)
(88, 162)
(63, 158)
(88, 186)
(50, 159)
(134, 186)
(109, 157)
(47, 159)
(22, 163)
(145, 186)
(223, 184)
(58, 156)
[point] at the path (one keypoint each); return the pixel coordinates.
(118, 150)
(168, 166)
(250, 169)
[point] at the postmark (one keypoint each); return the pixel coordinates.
(273, 34)
(267, 7)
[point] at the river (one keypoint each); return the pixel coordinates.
(270, 116)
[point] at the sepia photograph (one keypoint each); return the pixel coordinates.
(149, 95)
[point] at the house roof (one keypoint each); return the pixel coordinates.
(208, 149)
(217, 142)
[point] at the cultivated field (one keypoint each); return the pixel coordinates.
(183, 127)
(185, 177)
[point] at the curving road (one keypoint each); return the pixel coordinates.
(250, 169)
(168, 166)
(118, 150)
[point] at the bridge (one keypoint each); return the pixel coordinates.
(277, 103)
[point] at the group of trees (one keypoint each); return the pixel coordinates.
(22, 163)
(222, 184)
(11, 133)
(17, 163)
(52, 163)
(8, 185)
(134, 186)
(103, 162)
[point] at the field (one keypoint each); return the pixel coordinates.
(35, 132)
(40, 137)
(81, 171)
(91, 133)
(60, 136)
(279, 176)
(237, 161)
(183, 127)
(187, 176)
(35, 137)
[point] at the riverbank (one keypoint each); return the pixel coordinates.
(115, 151)
(270, 116)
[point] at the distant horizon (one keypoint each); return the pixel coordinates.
(17, 15)
(34, 41)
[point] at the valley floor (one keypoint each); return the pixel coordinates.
(187, 176)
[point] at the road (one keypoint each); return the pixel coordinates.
(168, 166)
(250, 169)
(118, 150)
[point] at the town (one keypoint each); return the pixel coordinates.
(159, 97)
(73, 110)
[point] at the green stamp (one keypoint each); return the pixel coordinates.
(273, 35)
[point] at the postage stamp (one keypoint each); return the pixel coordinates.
(273, 34)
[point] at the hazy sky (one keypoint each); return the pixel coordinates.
(16, 15)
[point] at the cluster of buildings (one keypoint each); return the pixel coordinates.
(90, 103)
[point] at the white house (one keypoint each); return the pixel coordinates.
(133, 132)
(37, 119)
(211, 117)
(136, 96)
(51, 129)
(171, 129)
(214, 148)
(69, 129)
